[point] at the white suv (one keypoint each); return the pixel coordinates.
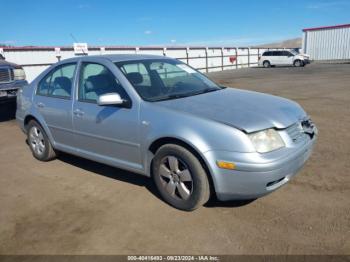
(283, 57)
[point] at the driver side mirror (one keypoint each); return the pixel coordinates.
(111, 99)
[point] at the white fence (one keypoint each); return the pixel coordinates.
(206, 59)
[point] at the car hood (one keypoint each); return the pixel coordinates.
(246, 110)
(6, 63)
(303, 56)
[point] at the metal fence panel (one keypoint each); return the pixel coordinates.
(206, 59)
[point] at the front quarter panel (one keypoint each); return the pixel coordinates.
(201, 134)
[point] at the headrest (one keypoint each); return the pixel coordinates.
(64, 82)
(135, 78)
(97, 81)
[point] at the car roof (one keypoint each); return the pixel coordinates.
(117, 57)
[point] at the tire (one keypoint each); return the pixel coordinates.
(39, 143)
(266, 64)
(298, 63)
(180, 178)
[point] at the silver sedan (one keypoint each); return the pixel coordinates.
(158, 117)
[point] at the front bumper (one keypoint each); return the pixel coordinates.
(6, 100)
(8, 91)
(253, 179)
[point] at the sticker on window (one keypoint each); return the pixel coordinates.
(186, 68)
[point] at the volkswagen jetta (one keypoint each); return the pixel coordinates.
(159, 117)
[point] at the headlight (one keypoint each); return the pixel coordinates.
(266, 140)
(19, 74)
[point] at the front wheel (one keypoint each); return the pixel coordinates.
(180, 178)
(298, 63)
(39, 143)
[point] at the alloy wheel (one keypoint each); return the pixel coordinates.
(266, 64)
(297, 63)
(36, 139)
(176, 178)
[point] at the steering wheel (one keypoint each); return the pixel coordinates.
(177, 87)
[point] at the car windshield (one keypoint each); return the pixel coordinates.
(162, 79)
(294, 52)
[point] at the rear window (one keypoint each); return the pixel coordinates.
(273, 53)
(267, 53)
(276, 53)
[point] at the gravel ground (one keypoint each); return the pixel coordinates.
(75, 206)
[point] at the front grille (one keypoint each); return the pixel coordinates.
(5, 75)
(296, 132)
(11, 93)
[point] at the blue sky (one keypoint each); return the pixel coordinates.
(164, 22)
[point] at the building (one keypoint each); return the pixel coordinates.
(330, 43)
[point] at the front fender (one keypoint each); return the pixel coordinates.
(201, 134)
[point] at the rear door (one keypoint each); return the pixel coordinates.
(276, 57)
(54, 102)
(266, 56)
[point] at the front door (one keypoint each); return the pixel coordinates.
(109, 134)
(286, 58)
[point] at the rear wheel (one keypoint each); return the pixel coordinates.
(266, 64)
(39, 143)
(180, 177)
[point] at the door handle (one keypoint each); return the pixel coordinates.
(78, 112)
(40, 105)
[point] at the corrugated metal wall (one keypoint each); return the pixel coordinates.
(36, 59)
(327, 43)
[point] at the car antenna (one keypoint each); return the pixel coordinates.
(76, 41)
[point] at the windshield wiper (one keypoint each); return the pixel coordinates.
(168, 97)
(176, 96)
(209, 89)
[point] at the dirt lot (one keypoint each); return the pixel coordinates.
(75, 206)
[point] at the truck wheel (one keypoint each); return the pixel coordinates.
(180, 177)
(39, 143)
(266, 64)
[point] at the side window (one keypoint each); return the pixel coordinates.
(58, 83)
(44, 84)
(61, 81)
(96, 80)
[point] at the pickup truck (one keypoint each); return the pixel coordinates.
(12, 77)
